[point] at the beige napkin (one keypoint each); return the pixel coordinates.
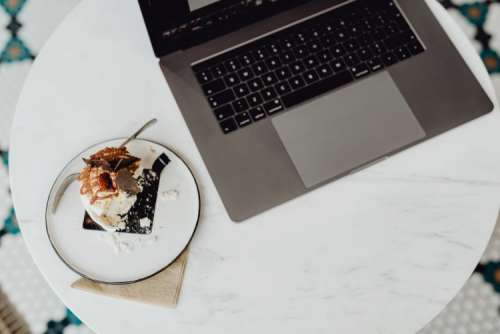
(11, 321)
(163, 289)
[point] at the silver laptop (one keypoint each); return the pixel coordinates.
(284, 96)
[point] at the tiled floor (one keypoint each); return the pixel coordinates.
(24, 27)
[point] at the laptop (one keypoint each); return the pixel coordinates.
(284, 96)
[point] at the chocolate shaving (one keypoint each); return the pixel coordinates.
(125, 162)
(98, 163)
(126, 182)
(113, 159)
(109, 153)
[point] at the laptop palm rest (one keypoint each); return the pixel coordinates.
(341, 131)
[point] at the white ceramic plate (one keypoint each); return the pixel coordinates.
(119, 258)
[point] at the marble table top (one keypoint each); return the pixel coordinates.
(380, 251)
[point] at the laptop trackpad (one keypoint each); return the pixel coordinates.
(338, 132)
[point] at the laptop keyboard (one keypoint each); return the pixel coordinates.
(277, 72)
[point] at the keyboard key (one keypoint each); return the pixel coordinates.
(229, 125)
(273, 63)
(241, 90)
(314, 46)
(287, 57)
(204, 76)
(218, 71)
(321, 87)
(338, 65)
(352, 59)
(301, 51)
(338, 51)
(378, 48)
(311, 76)
(379, 33)
(260, 68)
(415, 48)
(243, 119)
(245, 74)
(402, 53)
(257, 114)
(324, 71)
(351, 45)
(232, 65)
(365, 39)
(299, 38)
(240, 105)
(354, 30)
(325, 56)
(255, 84)
(254, 99)
(268, 93)
(269, 78)
(221, 98)
(213, 87)
(247, 59)
(364, 54)
(374, 64)
(297, 67)
(224, 112)
(283, 88)
(297, 82)
(311, 61)
(273, 48)
(283, 73)
(392, 29)
(315, 32)
(360, 70)
(396, 41)
(286, 43)
(260, 54)
(340, 35)
(231, 80)
(273, 107)
(389, 59)
(327, 41)
(327, 28)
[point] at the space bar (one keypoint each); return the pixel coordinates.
(317, 88)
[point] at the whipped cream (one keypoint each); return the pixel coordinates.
(109, 211)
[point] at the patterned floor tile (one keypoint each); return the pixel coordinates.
(25, 25)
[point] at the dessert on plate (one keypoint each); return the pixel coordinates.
(109, 185)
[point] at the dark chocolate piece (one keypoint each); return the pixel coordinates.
(126, 182)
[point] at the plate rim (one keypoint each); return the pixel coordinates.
(142, 278)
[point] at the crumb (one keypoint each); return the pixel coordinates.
(145, 222)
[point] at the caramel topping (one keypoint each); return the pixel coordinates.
(99, 178)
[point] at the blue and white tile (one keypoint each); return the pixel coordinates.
(474, 310)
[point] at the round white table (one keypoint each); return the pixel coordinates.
(381, 251)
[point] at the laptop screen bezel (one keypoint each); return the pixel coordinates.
(178, 15)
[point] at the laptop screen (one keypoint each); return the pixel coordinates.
(179, 24)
